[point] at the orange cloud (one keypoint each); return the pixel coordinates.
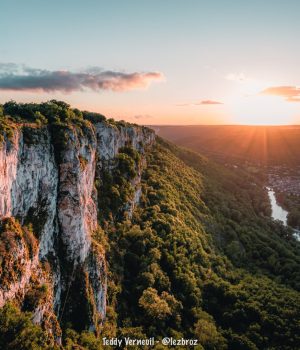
(290, 93)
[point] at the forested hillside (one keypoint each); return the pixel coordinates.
(195, 260)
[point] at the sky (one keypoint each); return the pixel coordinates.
(156, 62)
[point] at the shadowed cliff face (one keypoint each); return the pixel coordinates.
(47, 190)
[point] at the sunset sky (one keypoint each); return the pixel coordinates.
(156, 62)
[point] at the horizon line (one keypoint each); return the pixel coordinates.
(261, 125)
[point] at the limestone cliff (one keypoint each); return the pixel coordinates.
(50, 262)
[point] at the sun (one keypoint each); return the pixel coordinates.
(248, 106)
(262, 110)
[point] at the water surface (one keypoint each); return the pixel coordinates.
(278, 213)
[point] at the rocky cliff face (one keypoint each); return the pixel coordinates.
(110, 139)
(51, 263)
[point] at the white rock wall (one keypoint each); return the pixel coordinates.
(9, 153)
(77, 210)
(64, 197)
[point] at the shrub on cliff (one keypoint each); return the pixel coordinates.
(17, 331)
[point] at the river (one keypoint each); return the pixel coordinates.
(278, 213)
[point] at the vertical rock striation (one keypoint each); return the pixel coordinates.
(110, 139)
(51, 192)
(77, 211)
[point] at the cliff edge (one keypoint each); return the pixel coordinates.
(55, 165)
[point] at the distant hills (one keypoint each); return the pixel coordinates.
(262, 144)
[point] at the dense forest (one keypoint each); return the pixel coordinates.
(200, 257)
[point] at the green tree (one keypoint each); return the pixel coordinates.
(18, 332)
(154, 305)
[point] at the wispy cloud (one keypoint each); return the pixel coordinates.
(184, 104)
(209, 102)
(290, 93)
(199, 103)
(236, 77)
(143, 116)
(23, 78)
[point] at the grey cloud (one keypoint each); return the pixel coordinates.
(22, 78)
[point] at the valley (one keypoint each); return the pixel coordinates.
(269, 153)
(110, 231)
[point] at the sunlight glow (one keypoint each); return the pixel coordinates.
(248, 106)
(262, 110)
